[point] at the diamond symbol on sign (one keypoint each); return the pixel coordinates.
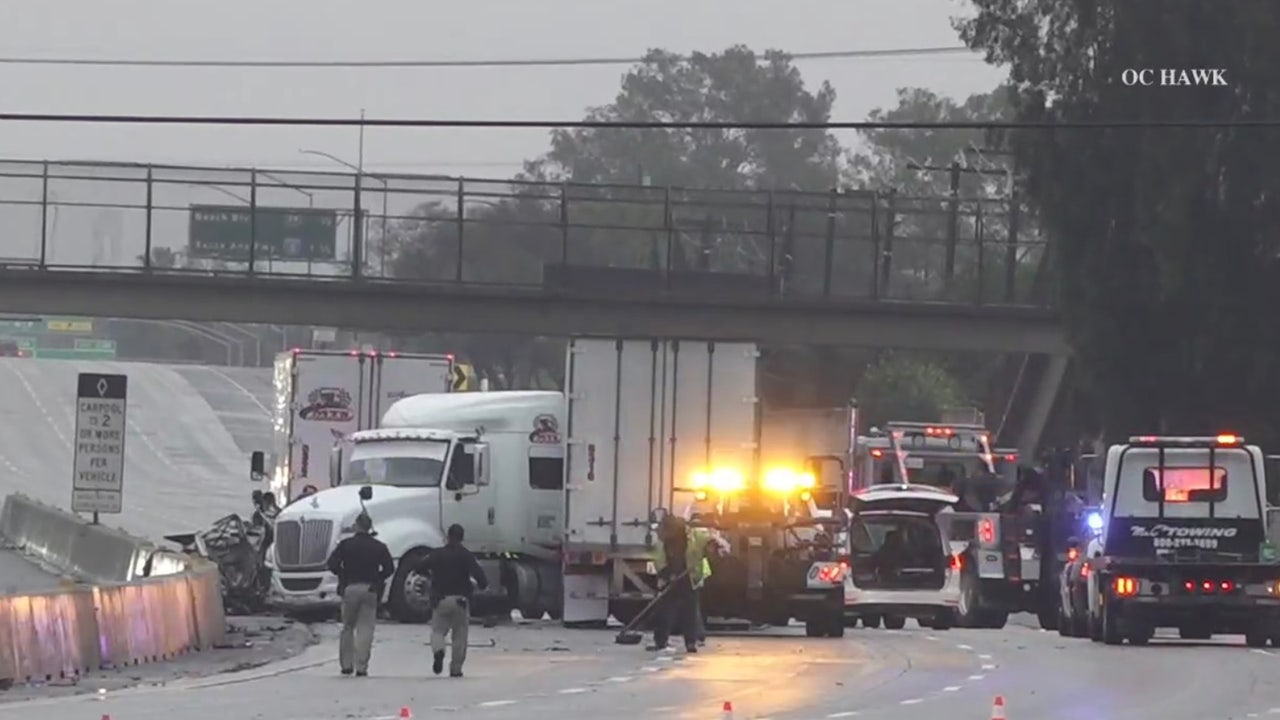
(102, 387)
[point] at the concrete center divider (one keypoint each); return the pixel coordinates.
(136, 603)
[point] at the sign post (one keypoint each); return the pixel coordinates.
(97, 484)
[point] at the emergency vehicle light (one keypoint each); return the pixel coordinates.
(721, 480)
(785, 481)
(1225, 439)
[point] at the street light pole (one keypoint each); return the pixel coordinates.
(386, 189)
(357, 229)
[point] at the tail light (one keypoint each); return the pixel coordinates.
(1125, 586)
(987, 532)
(1084, 571)
(1208, 587)
(957, 563)
(831, 573)
(1072, 555)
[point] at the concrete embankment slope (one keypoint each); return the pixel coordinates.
(183, 467)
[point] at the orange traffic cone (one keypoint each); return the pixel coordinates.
(726, 711)
(405, 713)
(997, 708)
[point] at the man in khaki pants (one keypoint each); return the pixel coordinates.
(362, 564)
(452, 568)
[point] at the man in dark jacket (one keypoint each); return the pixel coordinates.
(452, 568)
(363, 564)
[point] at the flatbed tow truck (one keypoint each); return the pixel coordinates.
(1184, 543)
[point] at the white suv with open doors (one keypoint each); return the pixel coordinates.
(901, 562)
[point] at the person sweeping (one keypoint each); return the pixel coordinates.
(679, 562)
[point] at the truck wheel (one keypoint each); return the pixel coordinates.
(894, 622)
(1049, 617)
(871, 622)
(624, 611)
(410, 600)
(969, 611)
(835, 626)
(1256, 638)
(1111, 626)
(944, 620)
(1066, 625)
(815, 627)
(1140, 634)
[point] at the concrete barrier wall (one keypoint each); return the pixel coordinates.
(90, 552)
(120, 619)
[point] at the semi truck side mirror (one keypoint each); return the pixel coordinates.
(257, 466)
(335, 466)
(480, 460)
(366, 493)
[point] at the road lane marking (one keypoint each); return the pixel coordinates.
(951, 688)
(964, 647)
(988, 667)
(976, 677)
(984, 657)
(573, 691)
(912, 701)
(846, 713)
(497, 703)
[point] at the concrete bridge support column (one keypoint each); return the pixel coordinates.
(1046, 394)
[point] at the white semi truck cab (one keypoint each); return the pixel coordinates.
(491, 462)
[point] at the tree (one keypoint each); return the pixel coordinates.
(736, 85)
(1167, 237)
(521, 229)
(900, 387)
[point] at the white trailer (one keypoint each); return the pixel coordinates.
(643, 416)
(322, 397)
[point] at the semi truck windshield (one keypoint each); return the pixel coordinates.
(402, 464)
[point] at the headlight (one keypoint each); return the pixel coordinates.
(785, 481)
(1094, 521)
(720, 480)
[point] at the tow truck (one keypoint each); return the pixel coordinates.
(782, 562)
(1184, 543)
(1000, 538)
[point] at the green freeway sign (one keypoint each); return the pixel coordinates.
(225, 232)
(64, 354)
(21, 325)
(95, 344)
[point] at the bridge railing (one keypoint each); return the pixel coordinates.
(842, 245)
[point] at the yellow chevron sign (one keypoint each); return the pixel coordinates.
(463, 377)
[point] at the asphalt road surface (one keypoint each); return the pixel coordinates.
(545, 671)
(183, 467)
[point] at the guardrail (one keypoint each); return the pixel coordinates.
(139, 603)
(842, 245)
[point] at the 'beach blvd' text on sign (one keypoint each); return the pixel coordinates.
(98, 481)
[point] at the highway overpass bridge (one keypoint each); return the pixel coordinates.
(503, 256)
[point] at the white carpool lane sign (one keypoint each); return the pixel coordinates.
(98, 483)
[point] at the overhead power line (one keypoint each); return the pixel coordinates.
(406, 63)
(621, 125)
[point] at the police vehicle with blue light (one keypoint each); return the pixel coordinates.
(1183, 543)
(1073, 601)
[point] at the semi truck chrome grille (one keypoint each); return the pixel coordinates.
(303, 544)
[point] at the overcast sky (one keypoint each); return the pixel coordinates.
(420, 29)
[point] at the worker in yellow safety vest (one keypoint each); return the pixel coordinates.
(679, 561)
